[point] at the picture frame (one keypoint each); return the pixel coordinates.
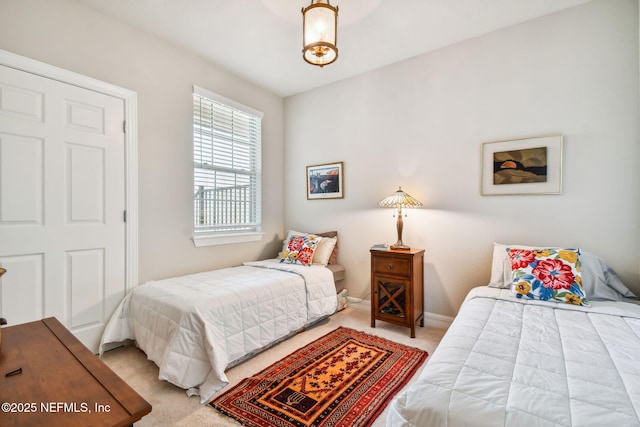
(530, 165)
(325, 181)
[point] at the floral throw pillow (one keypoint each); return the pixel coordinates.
(300, 249)
(547, 275)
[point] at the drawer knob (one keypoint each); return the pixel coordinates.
(390, 266)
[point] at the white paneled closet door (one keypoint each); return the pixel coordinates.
(62, 202)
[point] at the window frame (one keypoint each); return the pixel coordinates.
(221, 235)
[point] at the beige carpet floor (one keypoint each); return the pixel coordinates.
(171, 405)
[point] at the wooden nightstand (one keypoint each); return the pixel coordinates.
(397, 287)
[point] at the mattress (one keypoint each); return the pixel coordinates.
(511, 362)
(193, 327)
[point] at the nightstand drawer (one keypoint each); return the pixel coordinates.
(392, 265)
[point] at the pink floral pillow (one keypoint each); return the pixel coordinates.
(547, 275)
(300, 249)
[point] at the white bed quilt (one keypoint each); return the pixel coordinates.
(507, 362)
(193, 326)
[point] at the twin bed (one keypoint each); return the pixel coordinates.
(195, 327)
(513, 361)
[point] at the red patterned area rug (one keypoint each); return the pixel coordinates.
(345, 378)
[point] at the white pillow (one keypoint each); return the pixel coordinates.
(599, 280)
(323, 251)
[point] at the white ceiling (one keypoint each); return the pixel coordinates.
(261, 40)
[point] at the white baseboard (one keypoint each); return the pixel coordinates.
(430, 319)
(437, 320)
(353, 300)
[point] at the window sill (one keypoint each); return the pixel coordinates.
(226, 239)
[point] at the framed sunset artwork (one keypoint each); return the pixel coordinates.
(522, 166)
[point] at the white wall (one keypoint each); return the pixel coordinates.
(420, 124)
(70, 35)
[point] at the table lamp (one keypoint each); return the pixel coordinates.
(400, 200)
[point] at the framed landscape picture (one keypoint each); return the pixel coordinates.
(325, 181)
(522, 166)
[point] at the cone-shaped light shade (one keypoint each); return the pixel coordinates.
(400, 200)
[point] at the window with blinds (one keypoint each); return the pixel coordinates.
(226, 165)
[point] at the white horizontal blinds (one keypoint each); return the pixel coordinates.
(226, 158)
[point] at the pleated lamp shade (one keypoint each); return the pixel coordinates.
(400, 200)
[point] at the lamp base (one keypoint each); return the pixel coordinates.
(400, 247)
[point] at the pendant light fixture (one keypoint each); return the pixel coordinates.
(319, 29)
